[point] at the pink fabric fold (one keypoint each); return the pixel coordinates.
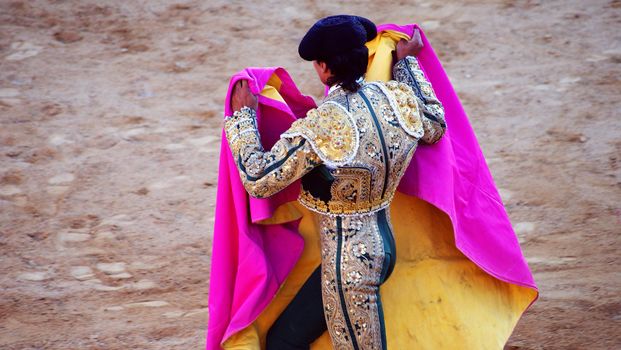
(250, 261)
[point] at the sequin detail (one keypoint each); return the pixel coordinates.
(263, 173)
(331, 131)
(352, 261)
(409, 72)
(366, 140)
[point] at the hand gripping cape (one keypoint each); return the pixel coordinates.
(460, 281)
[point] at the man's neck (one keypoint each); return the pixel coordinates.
(338, 86)
(333, 87)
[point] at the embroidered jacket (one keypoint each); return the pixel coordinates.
(351, 151)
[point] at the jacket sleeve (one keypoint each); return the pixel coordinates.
(262, 172)
(408, 71)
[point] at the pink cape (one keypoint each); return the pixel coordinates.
(250, 261)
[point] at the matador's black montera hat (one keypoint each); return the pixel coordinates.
(334, 35)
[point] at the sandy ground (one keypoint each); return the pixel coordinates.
(110, 126)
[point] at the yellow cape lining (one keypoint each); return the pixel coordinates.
(436, 298)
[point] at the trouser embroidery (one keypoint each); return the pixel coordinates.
(358, 255)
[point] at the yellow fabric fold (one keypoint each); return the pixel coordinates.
(272, 87)
(380, 55)
(436, 298)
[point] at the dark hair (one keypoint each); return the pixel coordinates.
(347, 67)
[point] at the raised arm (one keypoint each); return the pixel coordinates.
(407, 70)
(262, 172)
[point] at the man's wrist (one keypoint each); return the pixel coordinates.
(241, 122)
(243, 112)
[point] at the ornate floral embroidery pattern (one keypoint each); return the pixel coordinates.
(353, 256)
(331, 131)
(409, 72)
(366, 140)
(351, 306)
(409, 112)
(264, 173)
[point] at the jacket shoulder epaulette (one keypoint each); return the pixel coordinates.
(332, 132)
(405, 103)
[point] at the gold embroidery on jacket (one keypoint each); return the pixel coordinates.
(331, 132)
(263, 173)
(408, 71)
(366, 140)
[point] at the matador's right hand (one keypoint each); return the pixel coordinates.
(411, 47)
